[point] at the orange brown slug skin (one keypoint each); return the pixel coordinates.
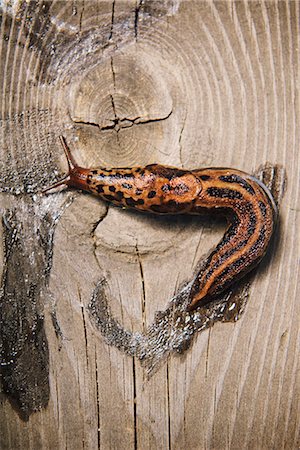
(244, 200)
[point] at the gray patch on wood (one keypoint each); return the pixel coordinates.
(28, 228)
(26, 164)
(27, 158)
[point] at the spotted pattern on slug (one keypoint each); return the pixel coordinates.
(246, 202)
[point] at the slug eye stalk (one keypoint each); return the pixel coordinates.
(72, 165)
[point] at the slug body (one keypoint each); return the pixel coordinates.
(244, 200)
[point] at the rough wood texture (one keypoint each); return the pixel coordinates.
(184, 83)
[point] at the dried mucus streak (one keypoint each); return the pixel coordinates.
(173, 329)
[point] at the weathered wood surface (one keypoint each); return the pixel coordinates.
(183, 83)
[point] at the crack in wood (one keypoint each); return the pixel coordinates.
(81, 16)
(97, 223)
(117, 123)
(134, 380)
(180, 139)
(143, 287)
(112, 20)
(138, 6)
(98, 404)
(207, 353)
(84, 331)
(56, 326)
(169, 409)
(113, 72)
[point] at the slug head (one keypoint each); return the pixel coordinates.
(76, 176)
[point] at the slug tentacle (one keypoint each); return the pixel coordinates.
(244, 200)
(71, 165)
(70, 160)
(63, 181)
(73, 170)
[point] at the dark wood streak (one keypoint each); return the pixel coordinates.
(246, 202)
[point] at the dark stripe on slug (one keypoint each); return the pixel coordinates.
(166, 172)
(231, 251)
(131, 202)
(166, 188)
(122, 175)
(220, 281)
(252, 219)
(239, 180)
(112, 188)
(181, 189)
(224, 257)
(263, 208)
(109, 198)
(260, 241)
(99, 189)
(229, 233)
(204, 177)
(119, 195)
(117, 176)
(232, 267)
(252, 224)
(99, 176)
(126, 186)
(224, 193)
(151, 194)
(225, 278)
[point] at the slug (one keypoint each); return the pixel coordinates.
(245, 201)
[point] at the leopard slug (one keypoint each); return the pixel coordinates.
(245, 201)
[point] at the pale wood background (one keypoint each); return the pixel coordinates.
(217, 84)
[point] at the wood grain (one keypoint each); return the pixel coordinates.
(184, 83)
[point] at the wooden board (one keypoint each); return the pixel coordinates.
(183, 83)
